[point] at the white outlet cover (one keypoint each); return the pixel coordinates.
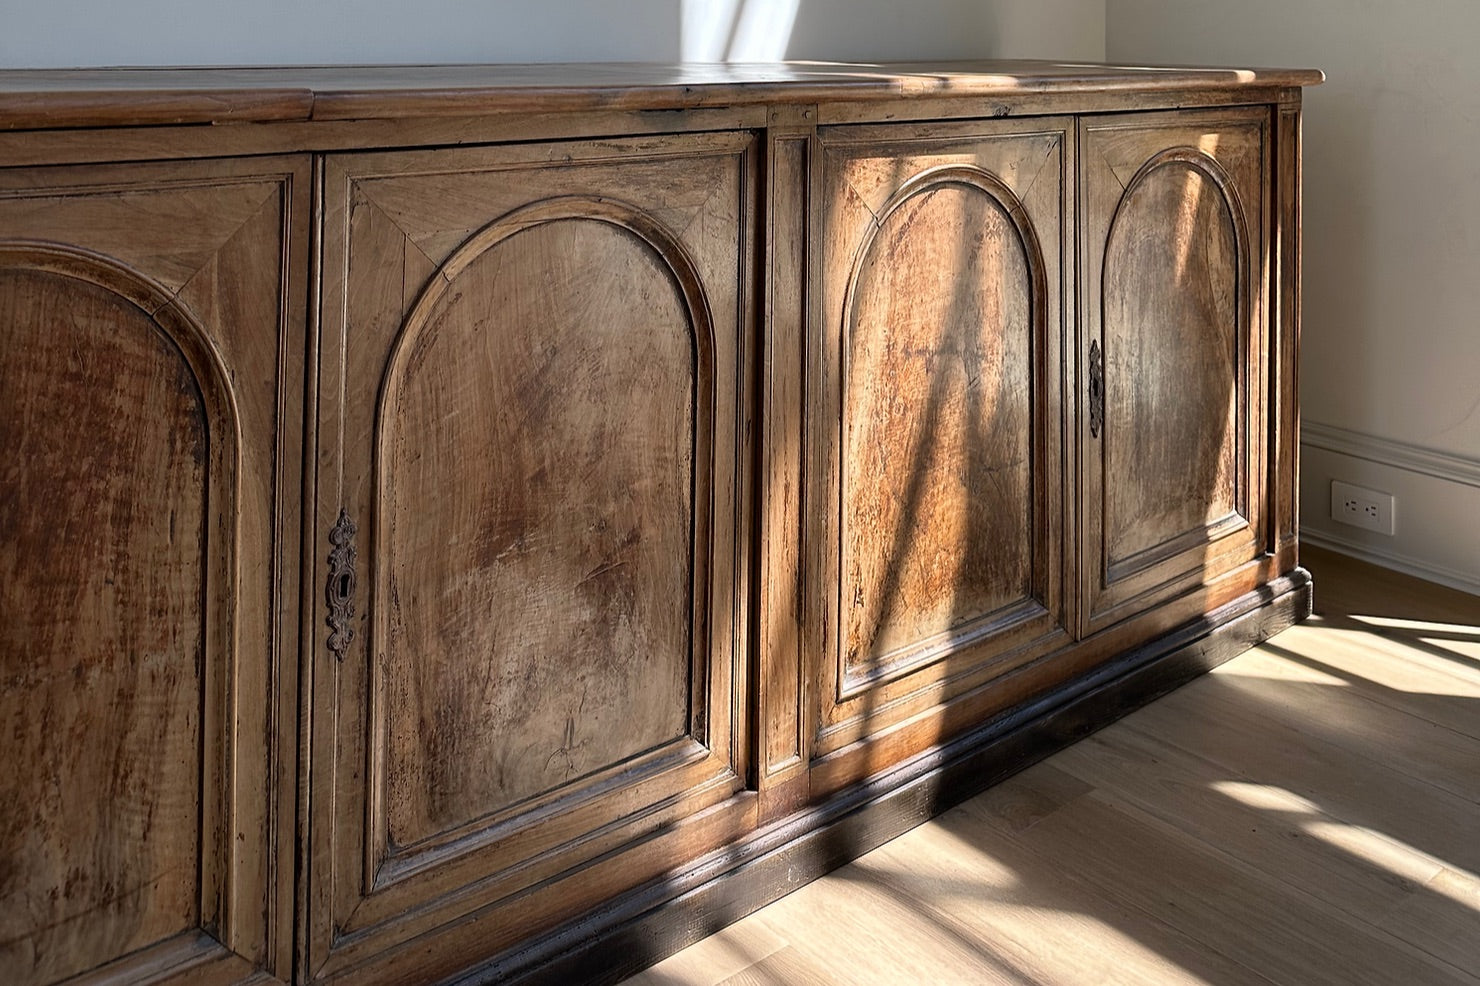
(1358, 506)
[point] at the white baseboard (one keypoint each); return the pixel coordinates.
(1438, 504)
(1416, 567)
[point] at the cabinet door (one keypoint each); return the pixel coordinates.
(938, 509)
(531, 458)
(1172, 371)
(151, 359)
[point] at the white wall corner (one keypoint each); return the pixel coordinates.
(1437, 516)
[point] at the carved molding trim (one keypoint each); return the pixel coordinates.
(339, 591)
(1096, 389)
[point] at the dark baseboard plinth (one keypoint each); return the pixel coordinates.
(657, 920)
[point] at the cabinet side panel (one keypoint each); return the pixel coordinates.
(102, 544)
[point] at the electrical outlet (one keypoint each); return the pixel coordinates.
(1367, 509)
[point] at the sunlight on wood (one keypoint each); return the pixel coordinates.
(1378, 848)
(1266, 797)
(987, 872)
(1285, 671)
(1421, 626)
(972, 890)
(1429, 666)
(1401, 860)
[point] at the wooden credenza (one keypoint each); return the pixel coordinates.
(498, 524)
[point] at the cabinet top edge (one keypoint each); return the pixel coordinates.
(43, 99)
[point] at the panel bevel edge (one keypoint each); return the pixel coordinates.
(749, 468)
(484, 833)
(304, 909)
(917, 655)
(289, 519)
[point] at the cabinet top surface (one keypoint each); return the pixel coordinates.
(45, 99)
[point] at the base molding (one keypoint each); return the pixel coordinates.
(1397, 561)
(1438, 497)
(656, 920)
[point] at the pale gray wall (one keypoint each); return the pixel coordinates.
(1392, 246)
(1059, 30)
(64, 33)
(69, 33)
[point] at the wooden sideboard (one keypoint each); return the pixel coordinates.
(501, 523)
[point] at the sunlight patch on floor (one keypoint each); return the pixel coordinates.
(1377, 848)
(1420, 627)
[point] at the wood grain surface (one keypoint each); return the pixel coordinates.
(1174, 254)
(146, 805)
(102, 570)
(941, 290)
(540, 348)
(463, 515)
(43, 99)
(938, 442)
(571, 441)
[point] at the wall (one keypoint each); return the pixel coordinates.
(68, 33)
(1059, 30)
(1391, 374)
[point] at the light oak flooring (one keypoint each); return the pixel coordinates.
(1307, 814)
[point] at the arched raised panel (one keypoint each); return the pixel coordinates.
(937, 565)
(116, 489)
(1171, 412)
(536, 371)
(1173, 337)
(942, 327)
(543, 427)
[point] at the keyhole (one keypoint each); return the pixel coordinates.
(344, 584)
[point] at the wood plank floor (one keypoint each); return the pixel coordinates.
(1307, 814)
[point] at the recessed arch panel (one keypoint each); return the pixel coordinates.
(941, 472)
(118, 492)
(1176, 259)
(543, 623)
